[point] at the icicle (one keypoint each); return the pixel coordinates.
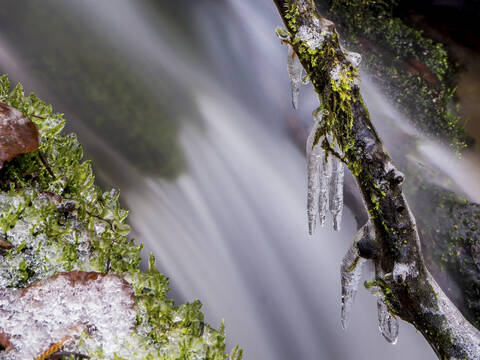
(315, 154)
(351, 272)
(325, 178)
(387, 323)
(336, 191)
(295, 71)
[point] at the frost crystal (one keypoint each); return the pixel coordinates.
(57, 310)
(295, 71)
(387, 323)
(351, 273)
(315, 154)
(402, 270)
(311, 36)
(336, 192)
(336, 74)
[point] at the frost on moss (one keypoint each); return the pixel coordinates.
(50, 225)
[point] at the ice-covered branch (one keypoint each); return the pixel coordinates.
(407, 289)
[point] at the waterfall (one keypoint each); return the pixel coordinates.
(231, 230)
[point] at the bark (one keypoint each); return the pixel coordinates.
(414, 297)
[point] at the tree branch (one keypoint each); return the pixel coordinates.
(410, 291)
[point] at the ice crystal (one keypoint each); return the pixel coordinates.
(295, 71)
(387, 323)
(402, 270)
(351, 273)
(311, 36)
(59, 309)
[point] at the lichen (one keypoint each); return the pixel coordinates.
(64, 223)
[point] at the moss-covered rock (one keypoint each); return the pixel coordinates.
(53, 224)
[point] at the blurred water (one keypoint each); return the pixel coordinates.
(232, 229)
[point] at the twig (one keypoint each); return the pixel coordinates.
(45, 163)
(415, 297)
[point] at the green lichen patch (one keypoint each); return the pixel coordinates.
(65, 222)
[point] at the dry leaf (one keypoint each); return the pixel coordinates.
(18, 134)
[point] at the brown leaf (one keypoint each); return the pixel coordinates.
(5, 244)
(18, 134)
(5, 341)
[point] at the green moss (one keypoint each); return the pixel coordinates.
(67, 223)
(413, 70)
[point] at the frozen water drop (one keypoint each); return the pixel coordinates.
(354, 58)
(387, 323)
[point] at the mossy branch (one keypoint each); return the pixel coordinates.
(414, 297)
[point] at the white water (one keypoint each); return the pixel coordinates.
(232, 230)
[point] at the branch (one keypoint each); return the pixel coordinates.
(409, 290)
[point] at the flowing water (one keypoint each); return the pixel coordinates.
(231, 230)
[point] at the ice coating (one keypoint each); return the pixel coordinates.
(57, 310)
(402, 270)
(336, 192)
(351, 273)
(295, 72)
(354, 58)
(387, 323)
(315, 155)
